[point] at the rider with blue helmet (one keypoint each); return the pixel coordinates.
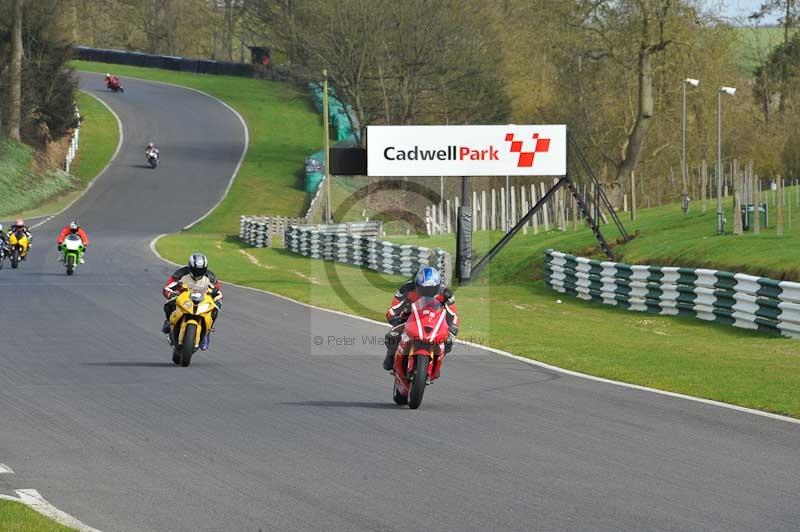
(427, 283)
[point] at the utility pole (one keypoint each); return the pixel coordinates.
(684, 166)
(326, 146)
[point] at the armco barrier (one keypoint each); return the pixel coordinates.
(736, 299)
(168, 62)
(364, 251)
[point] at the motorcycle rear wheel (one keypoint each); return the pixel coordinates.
(187, 349)
(419, 381)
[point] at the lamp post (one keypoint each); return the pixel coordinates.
(730, 91)
(684, 168)
(326, 147)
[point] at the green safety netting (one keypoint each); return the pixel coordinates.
(343, 120)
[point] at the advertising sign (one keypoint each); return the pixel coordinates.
(467, 150)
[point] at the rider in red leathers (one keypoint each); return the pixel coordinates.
(76, 229)
(427, 283)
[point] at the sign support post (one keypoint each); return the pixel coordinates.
(464, 234)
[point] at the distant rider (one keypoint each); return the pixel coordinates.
(3, 239)
(427, 283)
(112, 81)
(74, 229)
(151, 147)
(195, 275)
(20, 224)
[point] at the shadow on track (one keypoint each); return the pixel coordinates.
(344, 404)
(132, 364)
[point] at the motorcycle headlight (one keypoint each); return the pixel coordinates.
(187, 305)
(203, 308)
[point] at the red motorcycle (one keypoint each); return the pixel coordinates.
(420, 353)
(114, 84)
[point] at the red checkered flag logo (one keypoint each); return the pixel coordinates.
(526, 157)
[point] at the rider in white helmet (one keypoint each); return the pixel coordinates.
(196, 273)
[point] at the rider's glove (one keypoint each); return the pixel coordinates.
(397, 319)
(448, 344)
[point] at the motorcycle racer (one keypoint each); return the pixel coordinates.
(20, 224)
(75, 229)
(426, 283)
(197, 276)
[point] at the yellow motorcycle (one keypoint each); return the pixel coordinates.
(189, 323)
(18, 244)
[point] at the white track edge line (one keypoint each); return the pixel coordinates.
(5, 470)
(99, 174)
(231, 109)
(34, 500)
(526, 360)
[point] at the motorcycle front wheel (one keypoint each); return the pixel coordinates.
(187, 349)
(15, 258)
(419, 381)
(70, 264)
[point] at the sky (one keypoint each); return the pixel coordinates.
(742, 8)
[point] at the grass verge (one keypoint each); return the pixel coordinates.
(509, 307)
(98, 141)
(16, 517)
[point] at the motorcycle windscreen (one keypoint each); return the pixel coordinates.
(73, 242)
(428, 317)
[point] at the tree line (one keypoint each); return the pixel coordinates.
(36, 90)
(612, 70)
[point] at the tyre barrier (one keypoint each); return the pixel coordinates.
(260, 231)
(364, 251)
(736, 299)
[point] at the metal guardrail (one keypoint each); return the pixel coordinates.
(72, 151)
(737, 299)
(168, 62)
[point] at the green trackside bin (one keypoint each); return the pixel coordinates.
(748, 212)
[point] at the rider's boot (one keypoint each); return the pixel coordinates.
(205, 343)
(165, 327)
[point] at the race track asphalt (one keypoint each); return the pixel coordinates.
(267, 431)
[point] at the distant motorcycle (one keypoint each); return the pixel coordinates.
(72, 249)
(3, 254)
(115, 85)
(420, 353)
(18, 242)
(152, 158)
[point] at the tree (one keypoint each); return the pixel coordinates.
(790, 14)
(15, 75)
